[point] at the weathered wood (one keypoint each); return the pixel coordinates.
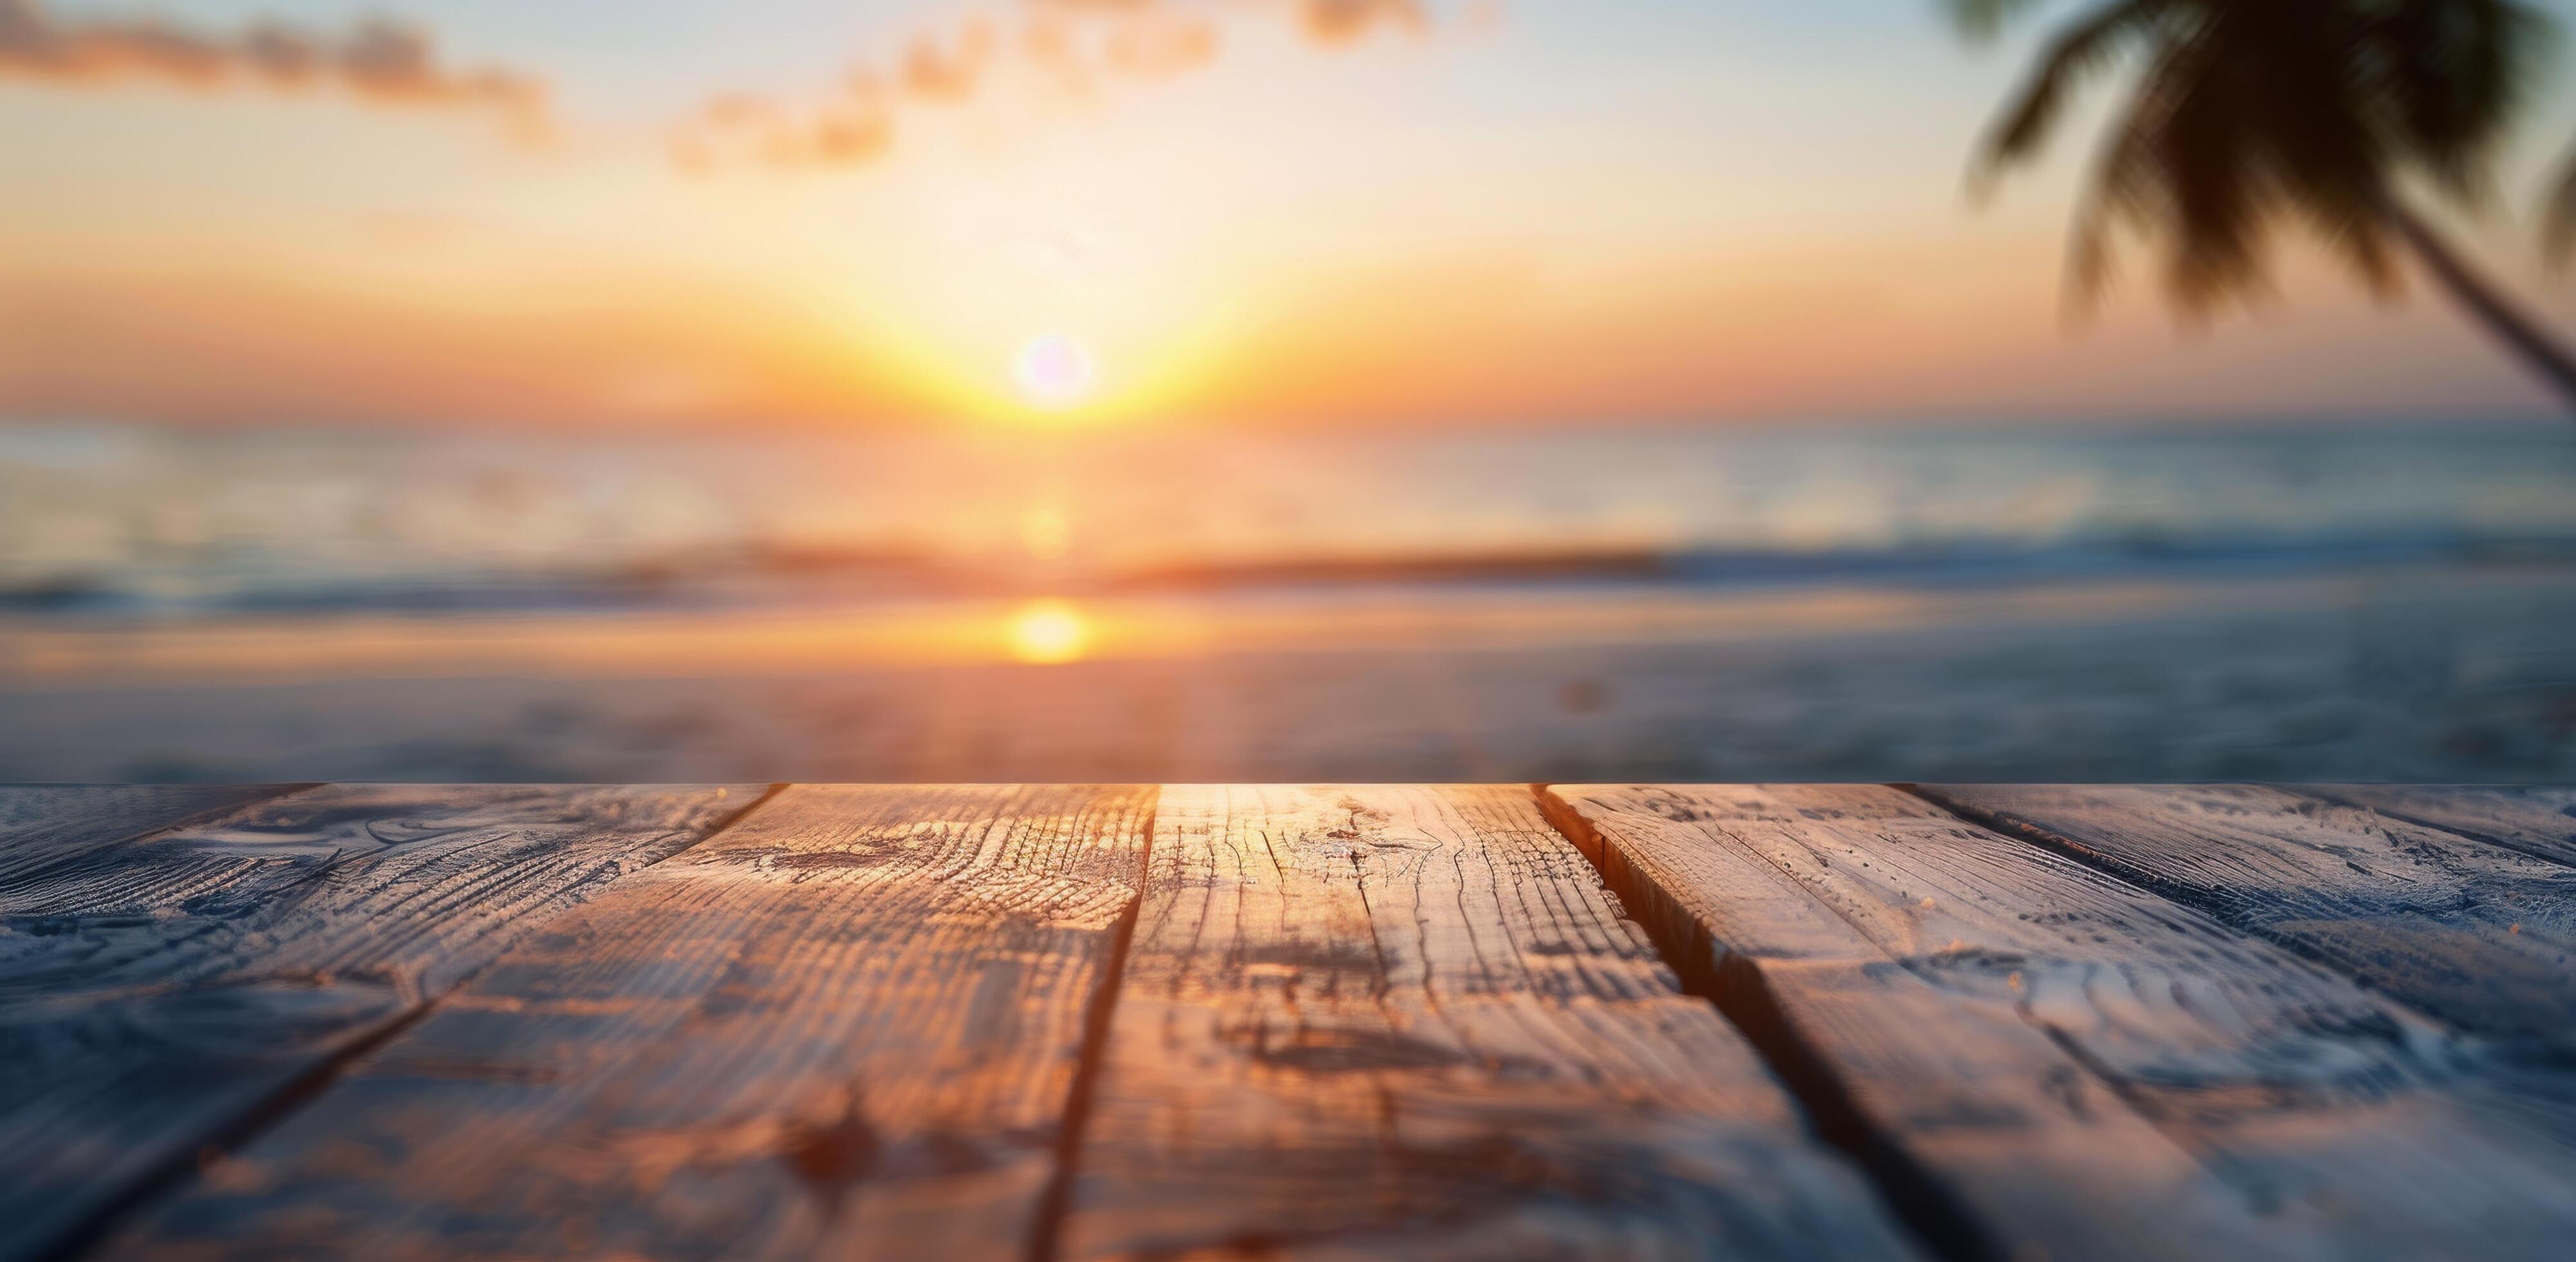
(46, 824)
(1367, 1022)
(2002, 1143)
(2474, 934)
(2536, 820)
(848, 1027)
(1407, 1022)
(2341, 1118)
(157, 996)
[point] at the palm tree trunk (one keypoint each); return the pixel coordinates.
(2539, 349)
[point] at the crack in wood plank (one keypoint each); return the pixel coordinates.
(1394, 1021)
(849, 1027)
(2325, 1109)
(2482, 937)
(1825, 920)
(183, 988)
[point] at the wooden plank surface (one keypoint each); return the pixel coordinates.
(2534, 819)
(1353, 1022)
(848, 1027)
(1408, 1023)
(156, 996)
(2345, 1120)
(2003, 1143)
(2474, 934)
(45, 824)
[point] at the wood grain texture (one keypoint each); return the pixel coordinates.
(156, 996)
(1409, 1023)
(2537, 820)
(848, 1027)
(46, 824)
(2474, 934)
(2001, 1143)
(2338, 1119)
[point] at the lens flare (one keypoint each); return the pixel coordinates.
(1045, 632)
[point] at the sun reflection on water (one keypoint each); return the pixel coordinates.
(1044, 632)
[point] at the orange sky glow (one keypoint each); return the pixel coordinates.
(1319, 212)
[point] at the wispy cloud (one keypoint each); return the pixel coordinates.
(376, 60)
(947, 71)
(1346, 21)
(1071, 47)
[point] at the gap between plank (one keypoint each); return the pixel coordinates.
(228, 1138)
(2326, 793)
(2034, 834)
(280, 794)
(1046, 1234)
(1939, 1220)
(237, 1133)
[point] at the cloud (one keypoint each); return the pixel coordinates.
(947, 72)
(1070, 47)
(1151, 49)
(856, 127)
(376, 60)
(1337, 22)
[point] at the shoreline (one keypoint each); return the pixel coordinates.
(54, 654)
(2421, 676)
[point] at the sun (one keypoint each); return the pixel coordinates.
(1053, 371)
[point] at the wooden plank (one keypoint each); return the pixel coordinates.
(2002, 1143)
(45, 824)
(2343, 1119)
(2473, 934)
(157, 996)
(1408, 1022)
(2538, 820)
(848, 1027)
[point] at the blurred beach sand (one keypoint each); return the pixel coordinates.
(2436, 673)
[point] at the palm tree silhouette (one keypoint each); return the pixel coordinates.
(2249, 114)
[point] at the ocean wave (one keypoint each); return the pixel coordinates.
(771, 578)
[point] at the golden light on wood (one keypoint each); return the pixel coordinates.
(1044, 632)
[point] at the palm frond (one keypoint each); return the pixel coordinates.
(2451, 74)
(2248, 116)
(2023, 128)
(2558, 215)
(1984, 19)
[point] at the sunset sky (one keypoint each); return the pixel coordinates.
(1104, 212)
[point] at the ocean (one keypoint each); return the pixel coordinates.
(2285, 601)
